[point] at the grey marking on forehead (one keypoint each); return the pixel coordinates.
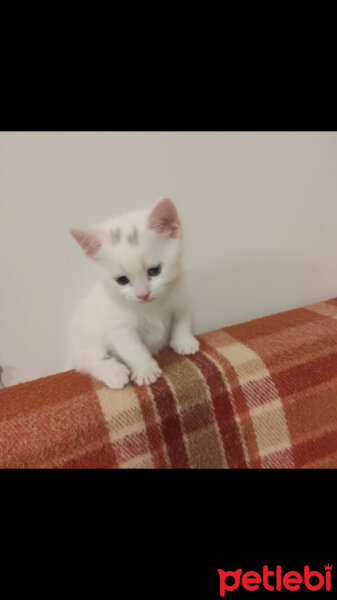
(133, 237)
(115, 235)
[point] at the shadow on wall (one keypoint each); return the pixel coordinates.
(7, 375)
(244, 288)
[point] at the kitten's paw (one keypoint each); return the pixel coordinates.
(186, 345)
(115, 375)
(147, 373)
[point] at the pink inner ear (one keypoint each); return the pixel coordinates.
(88, 241)
(164, 218)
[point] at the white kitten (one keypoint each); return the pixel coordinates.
(140, 305)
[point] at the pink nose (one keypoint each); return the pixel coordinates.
(143, 296)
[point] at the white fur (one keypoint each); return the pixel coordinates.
(113, 334)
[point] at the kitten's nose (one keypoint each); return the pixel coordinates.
(143, 296)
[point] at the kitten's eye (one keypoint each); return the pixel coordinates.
(154, 271)
(122, 280)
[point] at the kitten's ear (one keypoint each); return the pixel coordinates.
(164, 218)
(89, 238)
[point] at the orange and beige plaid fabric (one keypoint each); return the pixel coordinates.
(261, 394)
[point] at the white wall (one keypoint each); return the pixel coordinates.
(259, 211)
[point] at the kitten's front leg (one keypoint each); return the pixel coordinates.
(182, 340)
(144, 369)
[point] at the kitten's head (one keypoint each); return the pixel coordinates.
(140, 252)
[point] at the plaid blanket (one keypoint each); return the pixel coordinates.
(261, 394)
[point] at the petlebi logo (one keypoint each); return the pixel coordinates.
(275, 579)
